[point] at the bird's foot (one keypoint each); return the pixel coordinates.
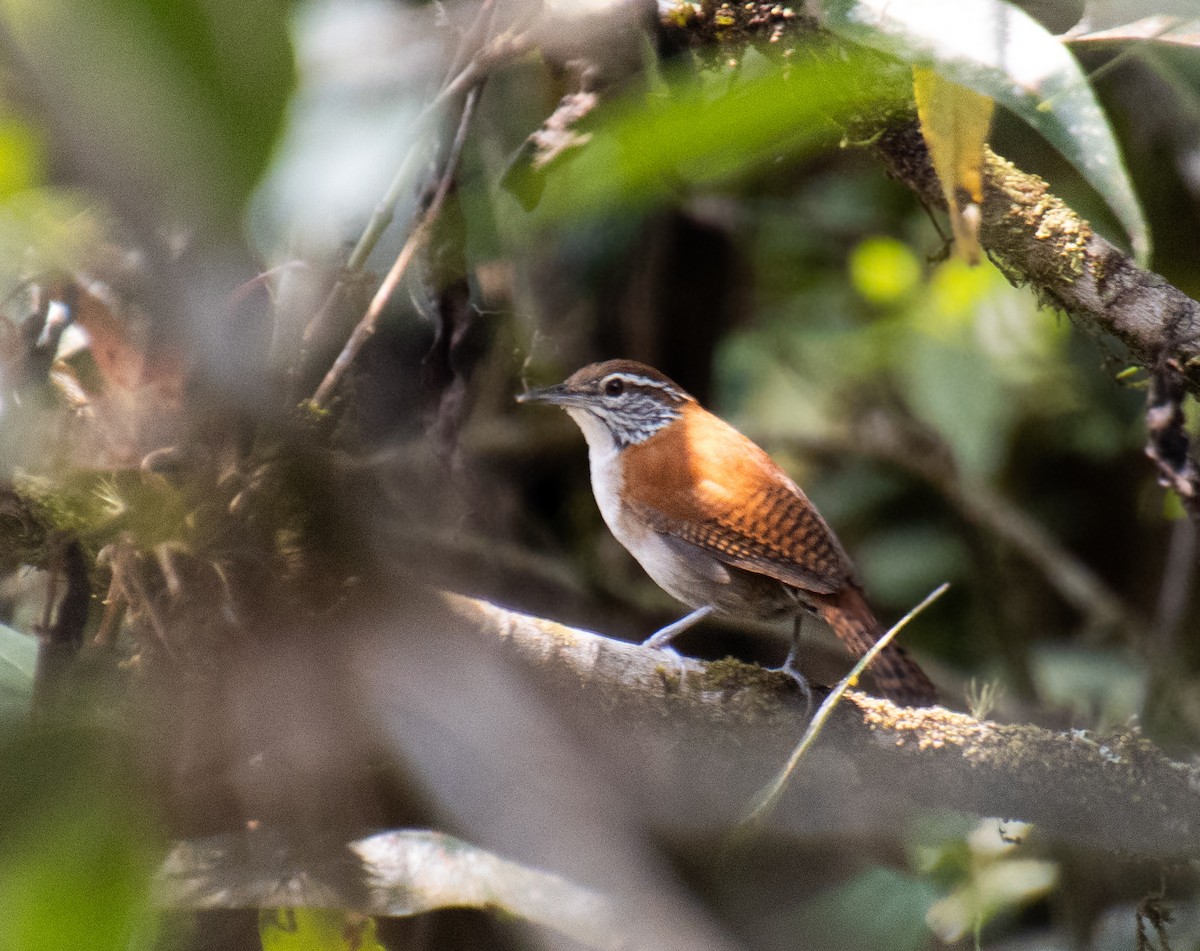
(660, 639)
(806, 691)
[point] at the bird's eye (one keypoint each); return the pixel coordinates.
(614, 387)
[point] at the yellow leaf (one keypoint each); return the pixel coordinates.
(955, 122)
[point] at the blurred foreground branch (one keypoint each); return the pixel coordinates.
(404, 872)
(688, 745)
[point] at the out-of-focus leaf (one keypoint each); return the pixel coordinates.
(1173, 509)
(646, 146)
(406, 872)
(366, 70)
(984, 865)
(76, 849)
(992, 889)
(18, 661)
(21, 157)
(955, 122)
(1106, 687)
(954, 388)
(182, 97)
(999, 51)
(903, 562)
(316, 929)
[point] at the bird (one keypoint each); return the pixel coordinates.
(714, 521)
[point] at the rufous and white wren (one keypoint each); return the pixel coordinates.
(713, 520)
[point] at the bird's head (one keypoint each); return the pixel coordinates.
(617, 403)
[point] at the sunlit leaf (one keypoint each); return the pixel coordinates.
(955, 122)
(316, 929)
(646, 147)
(183, 97)
(999, 51)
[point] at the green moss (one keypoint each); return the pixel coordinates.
(731, 674)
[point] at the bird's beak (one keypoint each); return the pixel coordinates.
(557, 394)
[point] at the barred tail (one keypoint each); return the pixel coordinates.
(897, 676)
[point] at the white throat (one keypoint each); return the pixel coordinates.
(602, 459)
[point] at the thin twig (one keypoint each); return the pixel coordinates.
(137, 595)
(502, 50)
(114, 612)
(366, 326)
(771, 794)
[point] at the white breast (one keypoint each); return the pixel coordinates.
(690, 583)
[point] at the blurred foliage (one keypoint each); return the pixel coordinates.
(692, 131)
(718, 220)
(210, 80)
(982, 869)
(77, 845)
(834, 918)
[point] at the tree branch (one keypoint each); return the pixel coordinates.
(1039, 240)
(401, 873)
(735, 723)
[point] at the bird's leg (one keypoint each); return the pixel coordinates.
(791, 666)
(661, 639)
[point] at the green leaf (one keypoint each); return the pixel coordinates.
(999, 51)
(181, 97)
(18, 661)
(650, 145)
(316, 929)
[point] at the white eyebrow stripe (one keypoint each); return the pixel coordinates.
(636, 380)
